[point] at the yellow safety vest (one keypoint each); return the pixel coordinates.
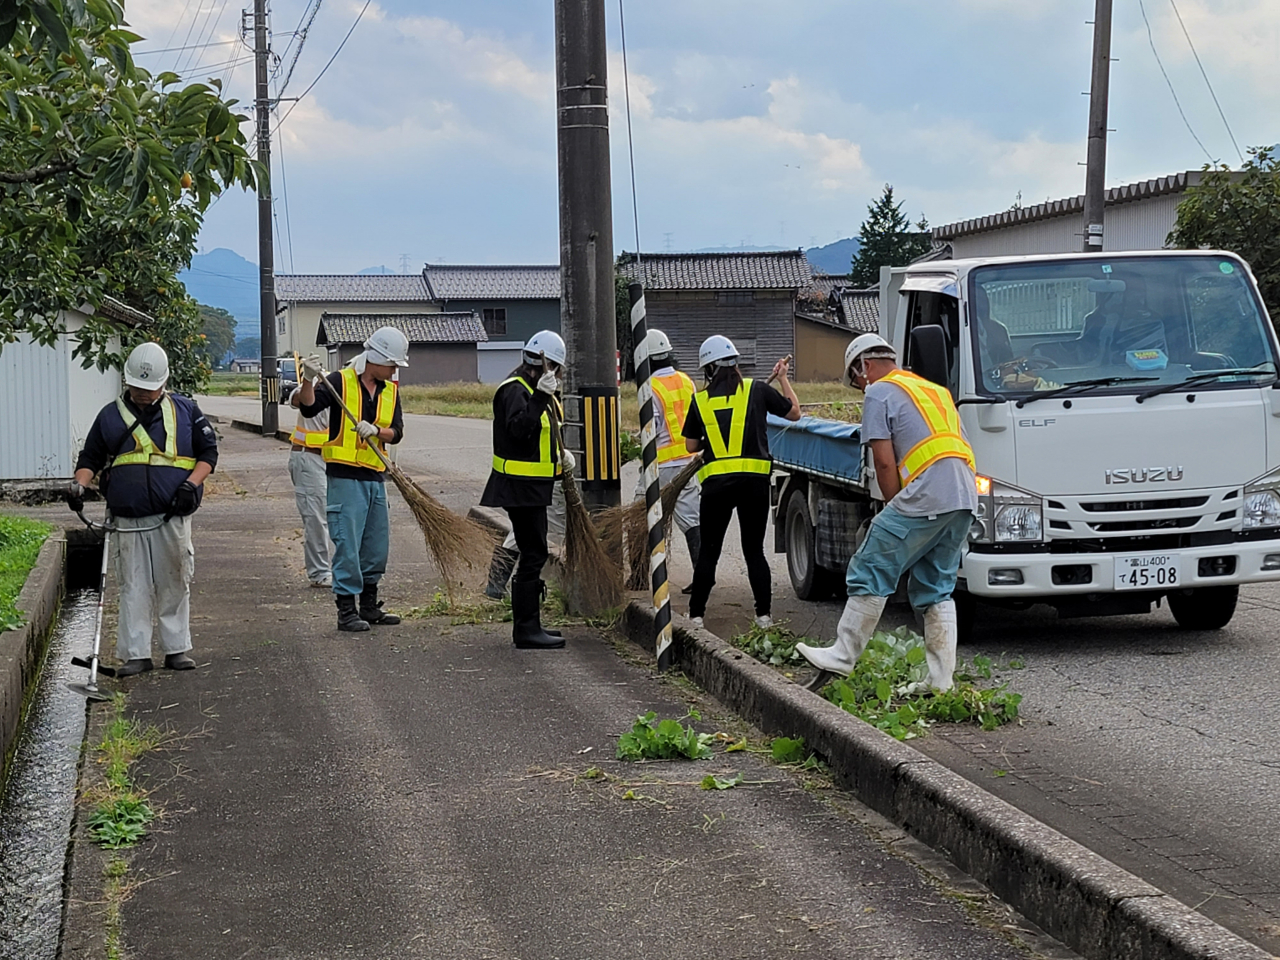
(547, 465)
(347, 447)
(145, 451)
(939, 412)
(675, 393)
(728, 456)
(309, 438)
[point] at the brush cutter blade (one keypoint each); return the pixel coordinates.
(92, 694)
(82, 662)
(820, 680)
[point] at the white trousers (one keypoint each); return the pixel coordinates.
(690, 497)
(555, 520)
(310, 492)
(154, 571)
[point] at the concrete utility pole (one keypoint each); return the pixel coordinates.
(266, 254)
(586, 249)
(1095, 178)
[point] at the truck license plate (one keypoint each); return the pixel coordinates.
(1146, 571)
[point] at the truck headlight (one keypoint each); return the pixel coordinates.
(1262, 501)
(1006, 514)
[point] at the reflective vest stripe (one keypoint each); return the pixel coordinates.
(347, 447)
(727, 457)
(145, 451)
(309, 438)
(545, 466)
(674, 392)
(940, 416)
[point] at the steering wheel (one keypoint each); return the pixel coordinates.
(1030, 362)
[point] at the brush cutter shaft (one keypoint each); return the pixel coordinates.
(102, 599)
(108, 528)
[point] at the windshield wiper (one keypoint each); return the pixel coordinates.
(1206, 377)
(1077, 385)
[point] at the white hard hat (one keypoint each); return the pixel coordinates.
(548, 343)
(657, 343)
(862, 344)
(147, 367)
(388, 346)
(717, 349)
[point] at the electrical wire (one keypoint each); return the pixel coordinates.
(326, 66)
(1186, 34)
(211, 21)
(216, 43)
(1172, 92)
(631, 153)
(284, 190)
(301, 37)
(177, 24)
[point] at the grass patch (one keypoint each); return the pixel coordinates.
(482, 611)
(121, 812)
(20, 543)
(223, 384)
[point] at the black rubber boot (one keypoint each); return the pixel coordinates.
(527, 632)
(348, 619)
(542, 598)
(135, 666)
(500, 567)
(178, 661)
(692, 540)
(371, 608)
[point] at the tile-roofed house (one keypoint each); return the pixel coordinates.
(769, 270)
(442, 346)
(483, 282)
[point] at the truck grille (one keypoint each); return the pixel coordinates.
(1118, 506)
(1149, 517)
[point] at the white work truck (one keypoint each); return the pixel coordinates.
(1124, 412)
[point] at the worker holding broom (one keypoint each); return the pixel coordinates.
(527, 459)
(925, 469)
(726, 423)
(356, 498)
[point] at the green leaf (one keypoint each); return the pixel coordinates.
(915, 656)
(884, 690)
(710, 782)
(52, 24)
(788, 749)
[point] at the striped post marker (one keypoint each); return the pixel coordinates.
(649, 470)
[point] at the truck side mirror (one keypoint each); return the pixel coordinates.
(929, 352)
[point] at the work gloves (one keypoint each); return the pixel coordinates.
(184, 501)
(567, 461)
(549, 383)
(75, 496)
(312, 367)
(365, 430)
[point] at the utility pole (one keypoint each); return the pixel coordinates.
(1095, 177)
(266, 255)
(587, 302)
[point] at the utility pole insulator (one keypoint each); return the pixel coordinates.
(270, 376)
(1095, 177)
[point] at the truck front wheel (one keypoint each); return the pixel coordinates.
(810, 581)
(1205, 608)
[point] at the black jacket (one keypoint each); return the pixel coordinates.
(517, 434)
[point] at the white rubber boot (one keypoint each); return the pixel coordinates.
(940, 635)
(857, 623)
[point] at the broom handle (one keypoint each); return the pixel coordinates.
(352, 417)
(774, 376)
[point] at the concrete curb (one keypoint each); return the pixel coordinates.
(21, 649)
(1074, 894)
(250, 427)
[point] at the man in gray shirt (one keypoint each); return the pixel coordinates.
(925, 471)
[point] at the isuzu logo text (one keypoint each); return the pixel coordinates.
(1145, 475)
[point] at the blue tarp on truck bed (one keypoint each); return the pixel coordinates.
(828, 448)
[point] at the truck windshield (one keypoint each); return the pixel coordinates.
(1131, 324)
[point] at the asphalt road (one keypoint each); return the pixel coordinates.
(1154, 746)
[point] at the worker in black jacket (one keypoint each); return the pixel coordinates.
(527, 460)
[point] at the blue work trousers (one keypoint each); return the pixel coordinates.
(929, 549)
(357, 514)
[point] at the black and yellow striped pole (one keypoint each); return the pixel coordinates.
(657, 545)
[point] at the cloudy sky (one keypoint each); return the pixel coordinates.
(432, 135)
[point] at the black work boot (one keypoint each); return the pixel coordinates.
(542, 598)
(371, 608)
(500, 567)
(134, 666)
(348, 619)
(693, 540)
(526, 621)
(178, 661)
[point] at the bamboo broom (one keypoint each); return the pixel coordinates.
(451, 540)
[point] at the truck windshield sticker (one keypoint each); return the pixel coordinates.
(1226, 267)
(1146, 359)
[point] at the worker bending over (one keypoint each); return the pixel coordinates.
(152, 451)
(672, 397)
(925, 470)
(356, 496)
(310, 489)
(727, 424)
(527, 459)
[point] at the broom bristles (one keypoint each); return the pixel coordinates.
(452, 541)
(591, 575)
(627, 527)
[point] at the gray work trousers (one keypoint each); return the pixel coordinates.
(154, 571)
(310, 492)
(687, 504)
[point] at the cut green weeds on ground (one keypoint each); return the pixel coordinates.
(775, 645)
(653, 739)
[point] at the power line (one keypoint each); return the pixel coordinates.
(204, 33)
(1206, 80)
(301, 37)
(1172, 92)
(327, 65)
(216, 43)
(626, 86)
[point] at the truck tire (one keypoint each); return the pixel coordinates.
(1205, 608)
(966, 614)
(810, 581)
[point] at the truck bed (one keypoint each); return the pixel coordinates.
(830, 449)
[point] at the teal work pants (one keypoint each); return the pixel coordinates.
(361, 534)
(927, 549)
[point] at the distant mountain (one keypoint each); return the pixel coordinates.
(380, 269)
(223, 278)
(834, 257)
(742, 249)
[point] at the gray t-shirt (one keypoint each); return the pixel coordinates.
(889, 414)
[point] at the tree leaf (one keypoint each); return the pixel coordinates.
(51, 23)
